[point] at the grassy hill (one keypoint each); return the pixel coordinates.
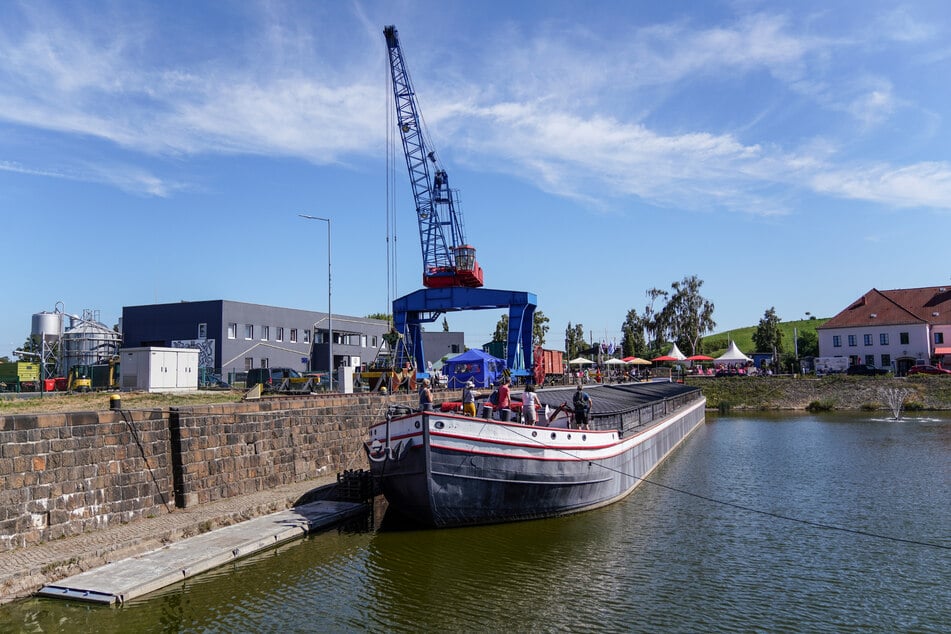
(716, 344)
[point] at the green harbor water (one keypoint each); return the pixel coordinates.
(683, 553)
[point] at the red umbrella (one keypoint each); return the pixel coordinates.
(666, 357)
(699, 357)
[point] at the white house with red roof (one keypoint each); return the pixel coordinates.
(892, 329)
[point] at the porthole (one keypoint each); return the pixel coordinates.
(417, 424)
(554, 435)
(569, 436)
(584, 437)
(534, 433)
(438, 424)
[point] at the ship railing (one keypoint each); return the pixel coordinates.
(647, 414)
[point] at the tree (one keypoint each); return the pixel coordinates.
(687, 314)
(574, 340)
(539, 329)
(381, 316)
(633, 343)
(808, 344)
(502, 329)
(654, 323)
(768, 337)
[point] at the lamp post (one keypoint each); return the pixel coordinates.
(330, 322)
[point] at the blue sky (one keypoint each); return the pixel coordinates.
(789, 154)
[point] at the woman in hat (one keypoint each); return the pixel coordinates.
(468, 399)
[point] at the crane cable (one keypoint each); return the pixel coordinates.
(741, 507)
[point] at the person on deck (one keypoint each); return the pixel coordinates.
(582, 407)
(505, 398)
(468, 399)
(529, 403)
(426, 397)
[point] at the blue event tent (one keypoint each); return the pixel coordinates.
(480, 367)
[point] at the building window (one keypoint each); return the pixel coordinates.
(232, 331)
(293, 335)
(454, 348)
(867, 339)
(249, 331)
(883, 338)
(374, 341)
(249, 363)
(939, 337)
(870, 360)
(903, 338)
(306, 335)
(886, 360)
(265, 333)
(265, 362)
(280, 334)
(836, 342)
(363, 341)
(851, 341)
(202, 331)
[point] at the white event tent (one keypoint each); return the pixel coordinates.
(732, 355)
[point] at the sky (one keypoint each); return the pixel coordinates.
(790, 155)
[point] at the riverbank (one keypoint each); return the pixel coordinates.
(834, 392)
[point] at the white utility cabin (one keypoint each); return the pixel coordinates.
(156, 369)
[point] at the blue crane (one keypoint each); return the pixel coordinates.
(451, 276)
(447, 259)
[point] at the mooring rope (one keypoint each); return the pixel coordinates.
(734, 505)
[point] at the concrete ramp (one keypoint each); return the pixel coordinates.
(127, 579)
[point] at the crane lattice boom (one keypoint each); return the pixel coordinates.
(447, 259)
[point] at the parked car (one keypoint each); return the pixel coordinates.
(865, 370)
(270, 377)
(927, 369)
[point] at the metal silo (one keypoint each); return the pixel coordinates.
(45, 334)
(88, 342)
(47, 326)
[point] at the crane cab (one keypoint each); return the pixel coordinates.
(465, 272)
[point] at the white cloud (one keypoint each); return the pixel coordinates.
(918, 185)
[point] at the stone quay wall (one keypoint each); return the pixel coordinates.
(65, 474)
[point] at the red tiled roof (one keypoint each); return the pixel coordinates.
(895, 307)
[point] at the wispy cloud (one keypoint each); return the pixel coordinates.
(918, 185)
(129, 179)
(581, 116)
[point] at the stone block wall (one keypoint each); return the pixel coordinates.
(225, 450)
(63, 474)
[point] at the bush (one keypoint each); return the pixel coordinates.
(820, 406)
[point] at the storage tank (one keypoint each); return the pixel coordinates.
(88, 342)
(46, 326)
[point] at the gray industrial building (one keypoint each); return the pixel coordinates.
(234, 337)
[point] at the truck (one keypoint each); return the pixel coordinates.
(830, 365)
(19, 376)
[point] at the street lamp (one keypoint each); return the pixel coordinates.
(330, 322)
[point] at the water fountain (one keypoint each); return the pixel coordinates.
(895, 397)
